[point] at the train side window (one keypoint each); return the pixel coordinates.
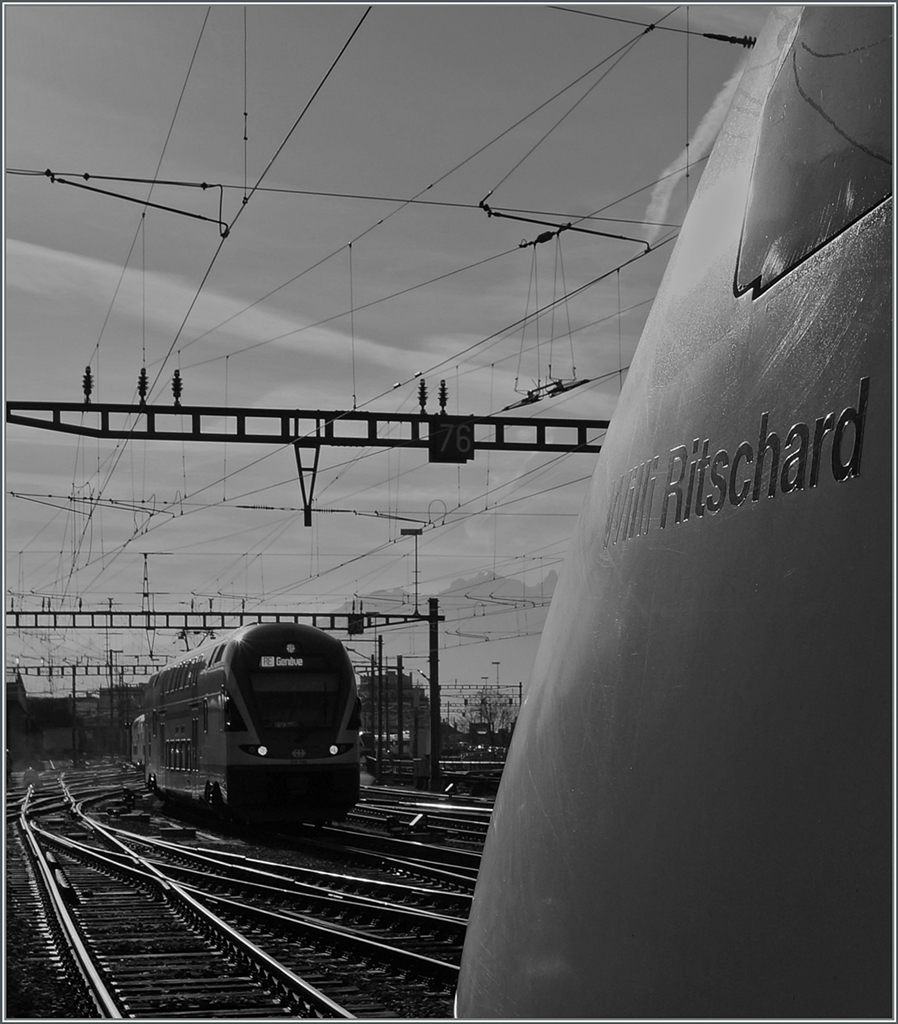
(824, 155)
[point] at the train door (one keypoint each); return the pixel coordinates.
(161, 761)
(210, 737)
(193, 748)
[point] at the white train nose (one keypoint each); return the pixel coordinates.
(695, 819)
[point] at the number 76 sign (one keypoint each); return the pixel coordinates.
(451, 440)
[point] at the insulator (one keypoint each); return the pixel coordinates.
(142, 385)
(444, 395)
(177, 386)
(422, 394)
(87, 383)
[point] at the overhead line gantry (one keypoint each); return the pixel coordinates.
(447, 438)
(210, 621)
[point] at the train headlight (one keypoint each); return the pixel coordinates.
(251, 748)
(334, 749)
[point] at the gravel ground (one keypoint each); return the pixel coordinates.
(35, 986)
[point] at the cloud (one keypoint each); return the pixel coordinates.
(38, 270)
(699, 145)
(160, 301)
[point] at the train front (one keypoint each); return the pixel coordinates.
(696, 816)
(293, 727)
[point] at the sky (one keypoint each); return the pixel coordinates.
(353, 146)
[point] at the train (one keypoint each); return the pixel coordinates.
(138, 741)
(696, 816)
(261, 726)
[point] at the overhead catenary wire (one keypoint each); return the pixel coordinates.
(538, 312)
(619, 53)
(746, 41)
(336, 316)
(245, 108)
(121, 448)
(396, 294)
(392, 295)
(140, 231)
(352, 309)
(368, 197)
(469, 348)
(475, 499)
(451, 171)
(261, 177)
(242, 208)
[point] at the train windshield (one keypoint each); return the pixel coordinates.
(292, 700)
(825, 153)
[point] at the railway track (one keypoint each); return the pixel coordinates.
(174, 933)
(455, 824)
(44, 961)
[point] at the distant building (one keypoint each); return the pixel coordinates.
(20, 738)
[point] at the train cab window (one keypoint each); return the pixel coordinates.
(355, 719)
(233, 720)
(824, 155)
(295, 699)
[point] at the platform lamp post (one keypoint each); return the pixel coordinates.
(111, 738)
(498, 698)
(74, 722)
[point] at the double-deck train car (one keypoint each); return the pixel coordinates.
(262, 726)
(138, 741)
(696, 815)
